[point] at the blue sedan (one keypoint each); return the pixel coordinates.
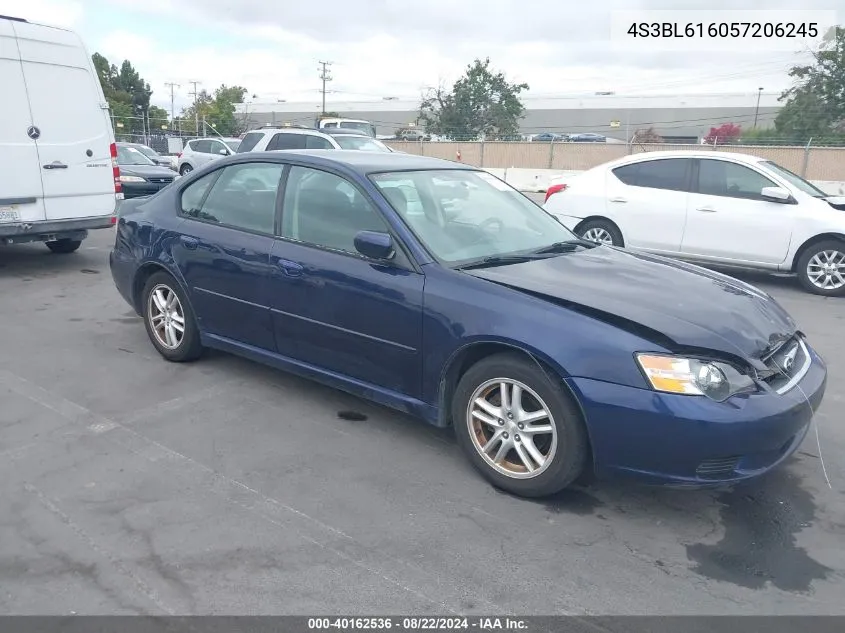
(436, 289)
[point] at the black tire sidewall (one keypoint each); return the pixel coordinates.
(190, 347)
(804, 260)
(572, 451)
(185, 169)
(608, 226)
(64, 246)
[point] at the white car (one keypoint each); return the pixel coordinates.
(202, 151)
(274, 138)
(710, 207)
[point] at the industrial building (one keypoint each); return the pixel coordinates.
(677, 118)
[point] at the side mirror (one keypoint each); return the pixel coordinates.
(775, 194)
(223, 152)
(374, 245)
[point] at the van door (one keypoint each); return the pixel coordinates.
(70, 114)
(20, 188)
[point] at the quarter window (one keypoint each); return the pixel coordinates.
(671, 174)
(722, 178)
(326, 210)
(243, 197)
(249, 141)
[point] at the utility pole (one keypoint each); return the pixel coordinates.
(324, 76)
(757, 109)
(172, 87)
(196, 105)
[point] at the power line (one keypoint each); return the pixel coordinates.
(324, 76)
(172, 87)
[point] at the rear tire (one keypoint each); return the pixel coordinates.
(812, 271)
(601, 231)
(185, 169)
(64, 246)
(537, 419)
(166, 310)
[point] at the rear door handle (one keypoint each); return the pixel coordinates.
(55, 165)
(189, 242)
(706, 209)
(291, 269)
(619, 200)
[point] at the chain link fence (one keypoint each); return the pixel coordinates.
(811, 162)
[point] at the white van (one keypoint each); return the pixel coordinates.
(57, 151)
(359, 125)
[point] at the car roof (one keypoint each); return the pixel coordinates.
(336, 131)
(372, 162)
(744, 158)
(292, 130)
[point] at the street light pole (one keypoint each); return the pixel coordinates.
(757, 109)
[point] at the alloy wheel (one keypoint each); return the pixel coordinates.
(167, 317)
(826, 270)
(598, 234)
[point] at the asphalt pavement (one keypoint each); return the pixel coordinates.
(129, 485)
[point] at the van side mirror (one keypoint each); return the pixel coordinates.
(375, 245)
(775, 194)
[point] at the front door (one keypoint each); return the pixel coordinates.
(729, 219)
(224, 248)
(332, 307)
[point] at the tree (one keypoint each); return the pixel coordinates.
(724, 134)
(815, 105)
(127, 94)
(647, 135)
(481, 103)
(217, 110)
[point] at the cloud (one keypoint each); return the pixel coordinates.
(63, 13)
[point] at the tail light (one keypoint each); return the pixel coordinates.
(553, 190)
(115, 170)
(179, 155)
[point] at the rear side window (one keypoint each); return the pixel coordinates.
(671, 174)
(317, 142)
(249, 141)
(204, 147)
(284, 140)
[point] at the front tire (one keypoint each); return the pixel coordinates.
(64, 246)
(169, 319)
(520, 429)
(602, 232)
(185, 169)
(821, 268)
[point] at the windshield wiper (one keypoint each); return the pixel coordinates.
(500, 260)
(565, 247)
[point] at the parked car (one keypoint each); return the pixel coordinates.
(201, 151)
(139, 175)
(288, 138)
(56, 142)
(588, 137)
(711, 207)
(158, 159)
(548, 137)
(549, 355)
(359, 125)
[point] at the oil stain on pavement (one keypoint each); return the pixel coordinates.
(761, 522)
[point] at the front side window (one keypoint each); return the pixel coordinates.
(326, 210)
(286, 140)
(466, 215)
(203, 147)
(670, 173)
(217, 147)
(722, 178)
(242, 196)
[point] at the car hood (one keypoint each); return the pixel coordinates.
(146, 171)
(676, 304)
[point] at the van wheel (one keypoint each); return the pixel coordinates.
(186, 169)
(64, 247)
(519, 429)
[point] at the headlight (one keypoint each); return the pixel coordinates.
(694, 377)
(131, 179)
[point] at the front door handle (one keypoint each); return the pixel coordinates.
(706, 209)
(55, 165)
(189, 242)
(291, 269)
(619, 199)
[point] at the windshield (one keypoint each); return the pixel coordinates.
(463, 216)
(131, 156)
(233, 144)
(794, 179)
(149, 152)
(363, 143)
(361, 126)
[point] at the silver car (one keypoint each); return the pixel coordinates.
(201, 151)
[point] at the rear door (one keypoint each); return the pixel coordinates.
(648, 200)
(285, 140)
(21, 195)
(71, 123)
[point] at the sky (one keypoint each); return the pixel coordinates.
(399, 48)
